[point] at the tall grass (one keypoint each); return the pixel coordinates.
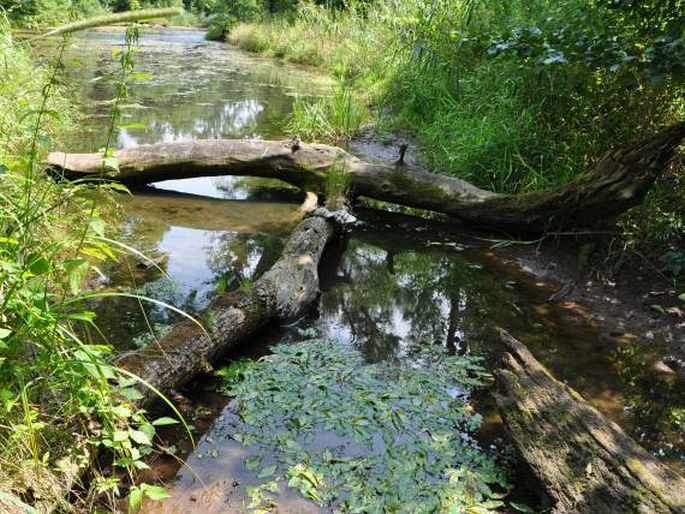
(61, 401)
(333, 119)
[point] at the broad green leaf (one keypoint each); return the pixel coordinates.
(119, 436)
(155, 492)
(37, 264)
(160, 422)
(140, 437)
(252, 462)
(5, 333)
(97, 225)
(132, 393)
(77, 271)
(267, 471)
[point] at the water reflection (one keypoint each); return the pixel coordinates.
(200, 246)
(193, 89)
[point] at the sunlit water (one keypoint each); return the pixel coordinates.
(391, 286)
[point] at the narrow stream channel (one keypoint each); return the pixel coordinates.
(389, 287)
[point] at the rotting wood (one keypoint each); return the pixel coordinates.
(615, 183)
(282, 293)
(586, 463)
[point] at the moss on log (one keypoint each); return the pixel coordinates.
(586, 463)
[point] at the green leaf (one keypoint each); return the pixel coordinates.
(681, 297)
(252, 462)
(132, 393)
(155, 492)
(119, 436)
(97, 225)
(140, 437)
(134, 126)
(135, 499)
(267, 471)
(77, 271)
(37, 264)
(5, 333)
(160, 422)
(116, 186)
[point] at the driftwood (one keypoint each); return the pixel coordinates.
(586, 463)
(617, 182)
(282, 293)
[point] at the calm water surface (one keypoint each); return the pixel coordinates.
(393, 284)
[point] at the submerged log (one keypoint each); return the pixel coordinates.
(615, 183)
(586, 463)
(282, 293)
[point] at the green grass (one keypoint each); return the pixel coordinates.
(333, 119)
(61, 401)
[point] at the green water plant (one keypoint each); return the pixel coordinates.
(364, 438)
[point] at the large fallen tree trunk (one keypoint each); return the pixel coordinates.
(586, 463)
(617, 182)
(282, 293)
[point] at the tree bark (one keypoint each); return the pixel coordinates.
(615, 183)
(586, 463)
(282, 293)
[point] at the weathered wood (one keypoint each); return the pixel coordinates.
(617, 182)
(586, 463)
(282, 293)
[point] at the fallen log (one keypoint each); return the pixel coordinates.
(586, 463)
(282, 293)
(615, 183)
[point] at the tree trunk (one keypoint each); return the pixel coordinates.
(282, 293)
(586, 463)
(617, 182)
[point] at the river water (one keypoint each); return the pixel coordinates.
(395, 282)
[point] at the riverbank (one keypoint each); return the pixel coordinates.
(479, 106)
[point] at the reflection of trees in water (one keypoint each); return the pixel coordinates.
(232, 258)
(220, 98)
(391, 302)
(236, 258)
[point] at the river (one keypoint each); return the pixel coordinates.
(395, 282)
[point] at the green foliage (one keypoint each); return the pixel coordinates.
(333, 119)
(307, 402)
(513, 96)
(61, 400)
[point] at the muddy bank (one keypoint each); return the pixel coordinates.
(639, 305)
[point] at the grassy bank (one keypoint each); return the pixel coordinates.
(61, 402)
(513, 98)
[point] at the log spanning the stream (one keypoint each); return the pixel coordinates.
(615, 183)
(586, 463)
(282, 293)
